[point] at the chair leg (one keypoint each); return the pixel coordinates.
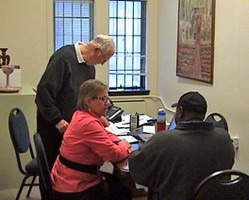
(30, 186)
(21, 187)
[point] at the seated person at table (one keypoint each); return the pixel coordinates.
(85, 146)
(173, 162)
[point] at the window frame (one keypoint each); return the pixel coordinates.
(74, 37)
(143, 57)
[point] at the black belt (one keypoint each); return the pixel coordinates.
(91, 169)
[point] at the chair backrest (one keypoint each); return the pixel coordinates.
(43, 164)
(224, 184)
(218, 120)
(19, 133)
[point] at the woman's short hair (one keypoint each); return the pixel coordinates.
(89, 89)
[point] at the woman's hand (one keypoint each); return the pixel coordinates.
(125, 142)
(104, 121)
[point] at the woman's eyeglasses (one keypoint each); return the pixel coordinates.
(104, 99)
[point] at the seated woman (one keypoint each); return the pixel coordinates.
(85, 147)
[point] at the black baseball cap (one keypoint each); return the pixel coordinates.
(192, 101)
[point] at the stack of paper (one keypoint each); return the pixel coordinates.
(128, 138)
(115, 130)
(149, 129)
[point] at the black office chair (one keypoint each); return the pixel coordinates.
(43, 165)
(218, 120)
(224, 184)
(19, 134)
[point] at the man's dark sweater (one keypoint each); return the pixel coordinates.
(57, 94)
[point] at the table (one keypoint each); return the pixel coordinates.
(127, 180)
(121, 170)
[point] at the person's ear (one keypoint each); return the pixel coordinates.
(179, 112)
(95, 48)
(88, 103)
(98, 50)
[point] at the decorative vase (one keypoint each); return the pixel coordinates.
(7, 69)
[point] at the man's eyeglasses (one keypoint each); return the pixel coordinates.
(104, 99)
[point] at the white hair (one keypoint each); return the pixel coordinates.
(105, 41)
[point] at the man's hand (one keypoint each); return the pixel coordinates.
(62, 125)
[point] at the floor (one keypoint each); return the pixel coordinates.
(35, 195)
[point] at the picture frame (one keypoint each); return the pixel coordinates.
(195, 39)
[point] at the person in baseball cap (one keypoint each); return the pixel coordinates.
(187, 153)
(190, 107)
(192, 101)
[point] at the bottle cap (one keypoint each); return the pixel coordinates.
(161, 112)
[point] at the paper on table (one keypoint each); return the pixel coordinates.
(122, 125)
(128, 138)
(125, 122)
(125, 118)
(117, 131)
(143, 119)
(149, 129)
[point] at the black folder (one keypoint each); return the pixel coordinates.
(114, 113)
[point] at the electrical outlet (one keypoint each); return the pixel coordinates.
(235, 141)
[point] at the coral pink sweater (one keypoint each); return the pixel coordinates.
(86, 142)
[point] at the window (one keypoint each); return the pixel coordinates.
(127, 26)
(73, 21)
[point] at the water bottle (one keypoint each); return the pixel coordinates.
(161, 120)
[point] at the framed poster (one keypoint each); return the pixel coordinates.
(195, 40)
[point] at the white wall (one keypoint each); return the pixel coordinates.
(28, 33)
(27, 30)
(24, 32)
(229, 92)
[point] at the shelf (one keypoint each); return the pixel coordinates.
(26, 89)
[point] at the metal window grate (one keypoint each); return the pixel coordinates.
(127, 26)
(73, 21)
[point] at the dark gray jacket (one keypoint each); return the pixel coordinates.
(173, 162)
